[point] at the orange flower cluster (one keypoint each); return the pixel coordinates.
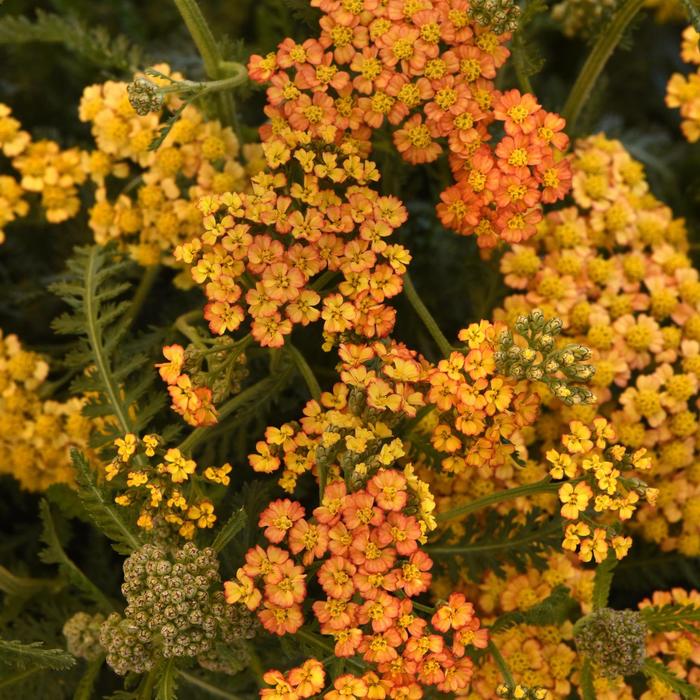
(267, 248)
(371, 566)
(599, 477)
(165, 495)
(614, 269)
(426, 68)
(683, 92)
(155, 210)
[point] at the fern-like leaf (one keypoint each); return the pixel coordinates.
(498, 540)
(23, 656)
(101, 509)
(92, 43)
(166, 685)
(656, 670)
(553, 610)
(233, 526)
(672, 617)
(55, 554)
(114, 371)
(692, 9)
(603, 582)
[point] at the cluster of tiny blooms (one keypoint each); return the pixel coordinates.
(539, 657)
(426, 69)
(43, 169)
(683, 91)
(175, 607)
(36, 434)
(194, 390)
(145, 198)
(314, 210)
(161, 485)
(599, 482)
(82, 633)
(368, 545)
(614, 269)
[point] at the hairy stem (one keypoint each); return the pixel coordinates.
(593, 67)
(209, 51)
(422, 310)
(544, 486)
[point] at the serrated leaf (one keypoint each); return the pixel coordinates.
(55, 554)
(672, 617)
(603, 582)
(553, 610)
(166, 686)
(20, 655)
(101, 510)
(655, 670)
(93, 43)
(233, 526)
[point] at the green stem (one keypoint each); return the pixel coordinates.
(422, 310)
(20, 676)
(196, 436)
(148, 279)
(182, 324)
(607, 40)
(321, 643)
(209, 51)
(502, 665)
(493, 546)
(306, 372)
(544, 486)
(207, 687)
(587, 686)
(185, 87)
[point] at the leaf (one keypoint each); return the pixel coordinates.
(93, 43)
(23, 587)
(101, 510)
(166, 686)
(233, 526)
(86, 686)
(553, 610)
(22, 656)
(672, 617)
(55, 554)
(657, 671)
(603, 582)
(114, 371)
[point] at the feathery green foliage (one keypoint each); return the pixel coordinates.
(604, 575)
(553, 610)
(119, 377)
(672, 617)
(692, 9)
(101, 509)
(93, 43)
(233, 526)
(55, 554)
(23, 656)
(655, 670)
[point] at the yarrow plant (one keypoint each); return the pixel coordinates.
(297, 439)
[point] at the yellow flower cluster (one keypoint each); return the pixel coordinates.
(154, 210)
(683, 92)
(162, 485)
(35, 434)
(42, 169)
(614, 269)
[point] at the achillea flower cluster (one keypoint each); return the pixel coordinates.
(36, 434)
(195, 389)
(161, 485)
(261, 253)
(154, 210)
(43, 169)
(371, 566)
(683, 92)
(599, 482)
(613, 268)
(427, 70)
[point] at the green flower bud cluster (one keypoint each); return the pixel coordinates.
(174, 608)
(521, 692)
(82, 633)
(613, 640)
(500, 16)
(144, 96)
(540, 360)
